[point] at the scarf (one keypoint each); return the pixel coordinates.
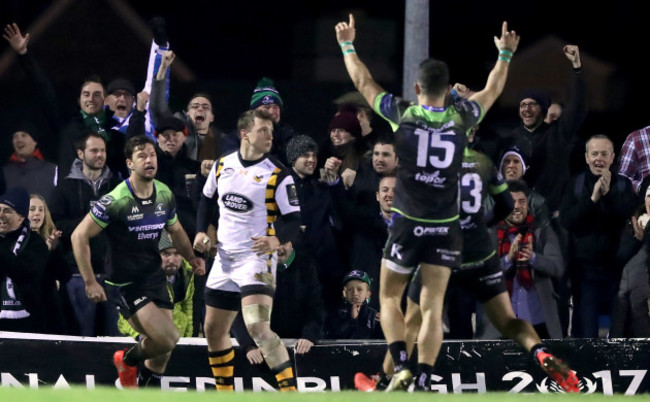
(36, 154)
(12, 306)
(522, 271)
(96, 123)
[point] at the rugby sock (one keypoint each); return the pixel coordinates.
(134, 355)
(423, 377)
(147, 378)
(284, 376)
(398, 353)
(536, 349)
(222, 365)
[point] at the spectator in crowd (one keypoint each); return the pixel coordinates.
(320, 226)
(92, 115)
(343, 152)
(634, 162)
(257, 212)
(631, 311)
(57, 273)
(595, 209)
(354, 319)
(176, 169)
(530, 256)
(180, 286)
(266, 97)
(134, 214)
(298, 309)
(89, 180)
(548, 145)
(355, 103)
(23, 257)
(203, 138)
(27, 168)
(426, 193)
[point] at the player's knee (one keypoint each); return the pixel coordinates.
(257, 318)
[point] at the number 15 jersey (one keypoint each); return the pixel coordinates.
(429, 143)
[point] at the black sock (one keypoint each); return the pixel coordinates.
(423, 377)
(398, 353)
(147, 378)
(538, 348)
(133, 356)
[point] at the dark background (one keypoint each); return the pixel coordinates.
(228, 46)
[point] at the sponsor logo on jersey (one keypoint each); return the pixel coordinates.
(147, 202)
(227, 171)
(258, 179)
(160, 211)
(237, 202)
(431, 231)
(431, 178)
(134, 210)
(134, 217)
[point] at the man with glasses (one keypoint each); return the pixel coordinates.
(202, 141)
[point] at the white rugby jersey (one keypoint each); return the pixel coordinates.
(250, 195)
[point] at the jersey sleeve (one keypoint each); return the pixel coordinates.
(286, 195)
(172, 216)
(102, 211)
(210, 186)
(390, 108)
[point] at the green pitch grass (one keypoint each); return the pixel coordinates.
(102, 394)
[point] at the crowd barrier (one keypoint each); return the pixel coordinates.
(614, 366)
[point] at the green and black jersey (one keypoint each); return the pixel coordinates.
(478, 178)
(133, 226)
(429, 143)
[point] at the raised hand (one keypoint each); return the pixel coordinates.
(16, 40)
(141, 101)
(509, 40)
(572, 52)
(345, 31)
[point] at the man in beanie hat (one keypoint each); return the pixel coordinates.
(129, 107)
(426, 191)
(549, 145)
(316, 209)
(23, 256)
(266, 97)
(513, 166)
(26, 166)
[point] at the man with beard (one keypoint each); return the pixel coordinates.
(133, 215)
(73, 197)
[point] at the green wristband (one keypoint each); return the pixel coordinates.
(506, 52)
(346, 52)
(504, 59)
(346, 43)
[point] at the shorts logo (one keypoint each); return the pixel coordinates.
(139, 300)
(396, 251)
(431, 231)
(237, 202)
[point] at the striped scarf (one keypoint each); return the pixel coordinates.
(522, 271)
(12, 306)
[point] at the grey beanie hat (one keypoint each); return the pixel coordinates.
(165, 241)
(300, 145)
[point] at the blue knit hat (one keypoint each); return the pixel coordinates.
(265, 94)
(18, 199)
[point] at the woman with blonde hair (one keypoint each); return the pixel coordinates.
(40, 221)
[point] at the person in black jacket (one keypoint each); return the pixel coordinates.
(176, 169)
(354, 319)
(89, 179)
(23, 256)
(595, 209)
